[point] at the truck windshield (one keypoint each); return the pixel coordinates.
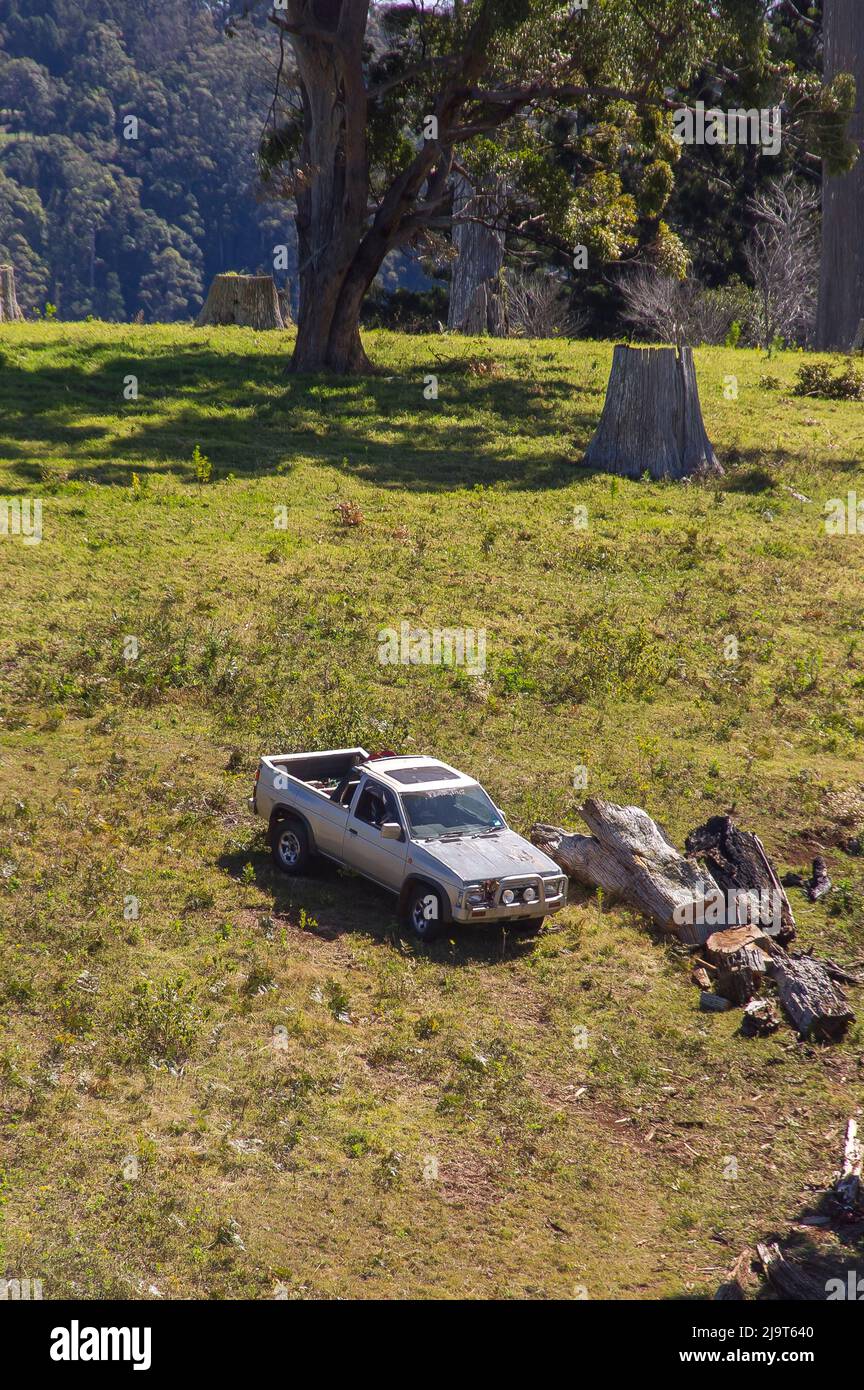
(463, 812)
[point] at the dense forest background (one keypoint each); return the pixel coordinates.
(100, 224)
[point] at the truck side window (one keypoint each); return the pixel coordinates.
(375, 805)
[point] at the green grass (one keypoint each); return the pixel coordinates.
(255, 1085)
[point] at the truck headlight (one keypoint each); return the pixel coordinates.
(508, 896)
(471, 895)
(529, 895)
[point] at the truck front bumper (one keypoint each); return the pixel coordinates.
(494, 910)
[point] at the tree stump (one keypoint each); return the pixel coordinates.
(248, 301)
(740, 962)
(9, 308)
(652, 420)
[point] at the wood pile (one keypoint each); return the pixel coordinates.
(723, 899)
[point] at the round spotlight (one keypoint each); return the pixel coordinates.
(508, 896)
(530, 895)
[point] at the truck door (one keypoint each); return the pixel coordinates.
(364, 849)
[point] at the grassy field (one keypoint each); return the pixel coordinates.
(255, 1087)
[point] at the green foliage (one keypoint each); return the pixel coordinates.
(817, 379)
(106, 219)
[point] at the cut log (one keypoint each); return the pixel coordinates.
(740, 962)
(652, 420)
(816, 1007)
(848, 1186)
(738, 862)
(628, 856)
(248, 301)
(9, 307)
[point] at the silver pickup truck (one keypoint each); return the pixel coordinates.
(415, 826)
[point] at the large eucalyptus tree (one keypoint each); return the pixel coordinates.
(377, 107)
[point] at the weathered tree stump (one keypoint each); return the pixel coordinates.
(248, 301)
(740, 962)
(9, 307)
(477, 303)
(652, 420)
(738, 862)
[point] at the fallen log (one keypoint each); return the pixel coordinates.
(847, 1188)
(664, 884)
(628, 856)
(790, 1277)
(815, 1006)
(738, 862)
(739, 960)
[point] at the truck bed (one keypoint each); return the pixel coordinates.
(320, 771)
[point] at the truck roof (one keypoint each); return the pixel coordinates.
(412, 774)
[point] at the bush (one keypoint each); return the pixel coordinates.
(158, 1023)
(815, 379)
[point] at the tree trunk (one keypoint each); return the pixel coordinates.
(841, 282)
(249, 301)
(652, 419)
(8, 299)
(477, 302)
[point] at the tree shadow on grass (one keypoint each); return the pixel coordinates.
(330, 419)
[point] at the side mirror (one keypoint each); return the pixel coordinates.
(391, 830)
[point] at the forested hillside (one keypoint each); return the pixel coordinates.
(97, 221)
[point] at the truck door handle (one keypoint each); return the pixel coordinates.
(351, 832)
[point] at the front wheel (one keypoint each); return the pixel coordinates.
(527, 926)
(423, 913)
(290, 845)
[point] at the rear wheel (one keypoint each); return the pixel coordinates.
(290, 845)
(423, 914)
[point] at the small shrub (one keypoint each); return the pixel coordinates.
(158, 1023)
(815, 379)
(202, 466)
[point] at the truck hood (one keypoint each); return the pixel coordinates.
(502, 855)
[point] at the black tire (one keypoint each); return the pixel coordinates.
(289, 843)
(424, 921)
(527, 926)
